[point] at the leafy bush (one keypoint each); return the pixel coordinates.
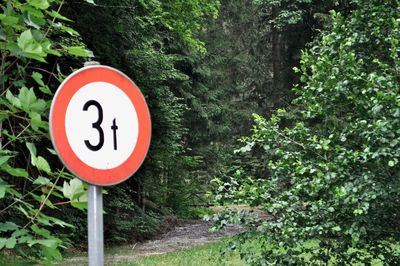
(332, 186)
(33, 37)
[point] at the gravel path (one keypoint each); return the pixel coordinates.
(185, 235)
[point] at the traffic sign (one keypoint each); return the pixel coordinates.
(100, 125)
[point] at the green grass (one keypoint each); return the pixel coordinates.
(13, 260)
(209, 255)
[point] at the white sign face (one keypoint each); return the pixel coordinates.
(101, 125)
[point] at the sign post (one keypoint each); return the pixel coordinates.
(100, 127)
(95, 226)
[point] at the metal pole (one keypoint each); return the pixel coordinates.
(95, 226)
(95, 219)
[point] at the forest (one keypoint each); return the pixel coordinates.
(279, 116)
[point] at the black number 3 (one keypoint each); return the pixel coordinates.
(96, 125)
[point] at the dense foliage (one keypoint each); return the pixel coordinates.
(37, 45)
(321, 171)
(331, 182)
(34, 41)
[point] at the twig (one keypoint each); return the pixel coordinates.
(45, 199)
(20, 133)
(44, 70)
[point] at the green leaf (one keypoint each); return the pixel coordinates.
(52, 151)
(18, 233)
(43, 87)
(79, 205)
(74, 187)
(32, 149)
(28, 44)
(34, 12)
(40, 4)
(12, 99)
(3, 189)
(43, 220)
(38, 78)
(50, 243)
(76, 193)
(70, 31)
(38, 161)
(39, 106)
(27, 97)
(2, 242)
(28, 21)
(19, 172)
(43, 165)
(46, 44)
(57, 15)
(46, 90)
(4, 159)
(61, 223)
(21, 209)
(37, 122)
(51, 253)
(48, 220)
(336, 228)
(3, 116)
(79, 51)
(40, 231)
(8, 226)
(41, 181)
(30, 47)
(9, 20)
(11, 242)
(24, 239)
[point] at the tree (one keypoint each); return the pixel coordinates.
(148, 40)
(333, 185)
(251, 50)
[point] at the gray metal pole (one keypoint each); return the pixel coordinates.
(95, 219)
(95, 226)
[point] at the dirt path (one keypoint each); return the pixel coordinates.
(184, 235)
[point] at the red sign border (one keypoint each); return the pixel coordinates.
(67, 89)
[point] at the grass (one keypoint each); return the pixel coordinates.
(206, 255)
(12, 260)
(209, 255)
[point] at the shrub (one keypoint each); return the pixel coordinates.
(333, 160)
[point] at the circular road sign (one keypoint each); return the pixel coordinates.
(100, 125)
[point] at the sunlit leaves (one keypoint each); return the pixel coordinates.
(39, 80)
(40, 4)
(30, 46)
(38, 161)
(14, 171)
(31, 105)
(79, 51)
(74, 190)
